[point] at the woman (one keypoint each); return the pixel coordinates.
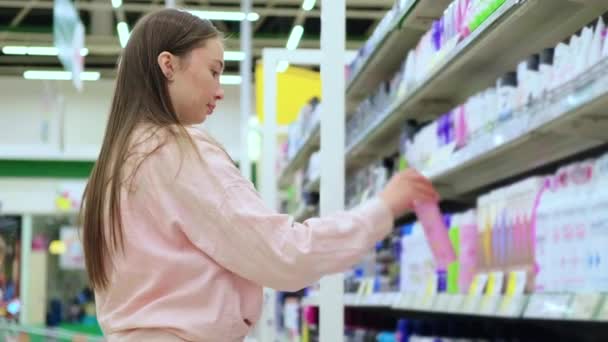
(178, 245)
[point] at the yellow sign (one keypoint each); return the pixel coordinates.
(295, 87)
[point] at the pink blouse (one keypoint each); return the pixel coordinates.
(200, 244)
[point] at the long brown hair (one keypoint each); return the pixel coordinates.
(140, 97)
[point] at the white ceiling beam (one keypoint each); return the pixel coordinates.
(22, 13)
(133, 7)
(109, 45)
(262, 19)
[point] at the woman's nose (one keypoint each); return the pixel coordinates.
(220, 94)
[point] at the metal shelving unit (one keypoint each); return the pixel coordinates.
(525, 27)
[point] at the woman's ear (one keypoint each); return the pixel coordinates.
(167, 63)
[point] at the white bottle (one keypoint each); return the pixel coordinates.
(595, 53)
(583, 52)
(559, 65)
(546, 68)
(506, 91)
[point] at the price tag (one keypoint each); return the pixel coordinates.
(374, 299)
(495, 283)
(473, 298)
(442, 301)
(512, 303)
(548, 306)
(361, 290)
(602, 314)
(512, 306)
(406, 301)
(417, 301)
(456, 303)
(350, 299)
(392, 298)
(429, 293)
(492, 297)
(489, 304)
(584, 306)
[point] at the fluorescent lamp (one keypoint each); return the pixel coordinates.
(234, 55)
(294, 37)
(123, 33)
(230, 79)
(116, 3)
(307, 5)
(282, 66)
(59, 75)
(36, 50)
(228, 16)
(42, 51)
(14, 50)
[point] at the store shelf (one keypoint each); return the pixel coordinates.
(572, 119)
(561, 307)
(525, 27)
(403, 35)
(311, 144)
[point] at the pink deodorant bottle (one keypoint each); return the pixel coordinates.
(436, 233)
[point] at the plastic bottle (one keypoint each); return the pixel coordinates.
(436, 233)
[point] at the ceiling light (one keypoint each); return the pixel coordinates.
(123, 33)
(14, 50)
(42, 51)
(116, 3)
(36, 50)
(59, 75)
(230, 79)
(307, 5)
(282, 66)
(228, 16)
(294, 37)
(234, 55)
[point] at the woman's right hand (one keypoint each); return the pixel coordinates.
(406, 188)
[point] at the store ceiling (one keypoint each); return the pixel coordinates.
(29, 23)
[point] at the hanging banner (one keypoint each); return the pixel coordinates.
(68, 37)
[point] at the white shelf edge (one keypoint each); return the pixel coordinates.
(376, 301)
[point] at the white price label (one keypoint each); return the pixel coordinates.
(442, 302)
(512, 305)
(584, 306)
(456, 303)
(548, 306)
(406, 301)
(602, 314)
(489, 304)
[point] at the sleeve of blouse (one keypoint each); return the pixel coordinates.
(223, 215)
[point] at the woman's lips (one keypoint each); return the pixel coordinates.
(211, 108)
